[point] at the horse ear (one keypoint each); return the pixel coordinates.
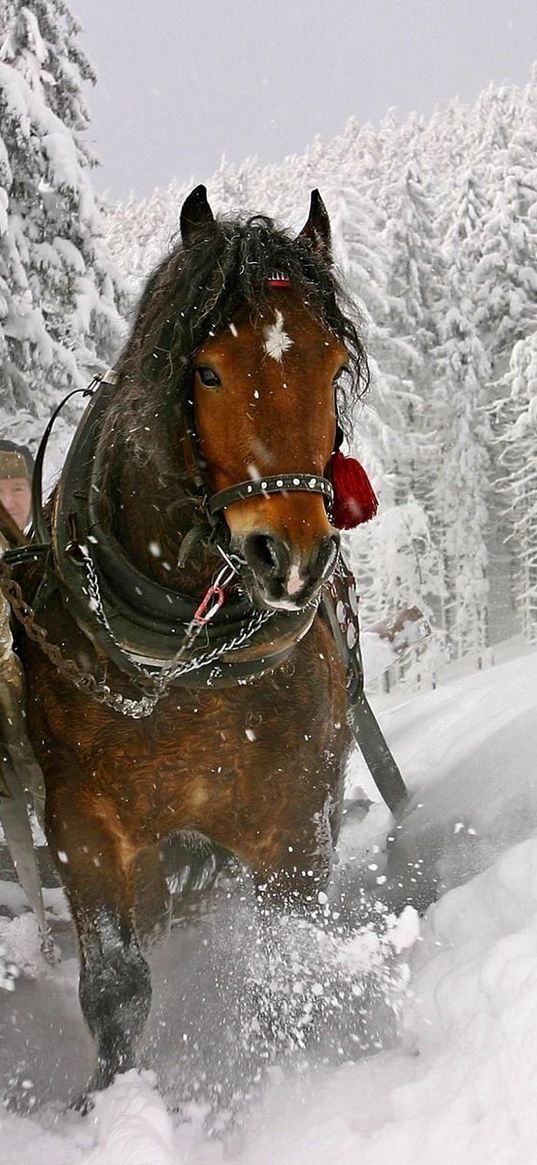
(317, 228)
(196, 216)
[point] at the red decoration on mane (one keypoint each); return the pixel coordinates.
(355, 500)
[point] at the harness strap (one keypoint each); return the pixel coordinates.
(21, 554)
(38, 520)
(277, 483)
(340, 603)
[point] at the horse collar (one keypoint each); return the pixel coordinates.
(139, 624)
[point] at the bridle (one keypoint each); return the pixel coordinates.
(261, 486)
(277, 483)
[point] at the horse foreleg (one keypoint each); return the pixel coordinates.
(291, 882)
(97, 870)
(295, 869)
(153, 901)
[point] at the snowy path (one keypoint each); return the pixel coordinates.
(455, 1083)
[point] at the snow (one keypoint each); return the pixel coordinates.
(377, 1033)
(132, 1126)
(445, 1065)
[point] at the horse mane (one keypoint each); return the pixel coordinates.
(195, 292)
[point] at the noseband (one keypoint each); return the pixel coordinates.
(278, 483)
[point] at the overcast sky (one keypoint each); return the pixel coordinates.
(183, 82)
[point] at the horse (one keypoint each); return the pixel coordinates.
(201, 693)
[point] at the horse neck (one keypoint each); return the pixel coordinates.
(150, 514)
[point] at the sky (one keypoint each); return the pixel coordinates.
(182, 85)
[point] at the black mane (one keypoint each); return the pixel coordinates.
(196, 291)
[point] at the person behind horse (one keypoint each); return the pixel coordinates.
(16, 468)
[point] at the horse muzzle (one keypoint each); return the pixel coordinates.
(284, 578)
(286, 570)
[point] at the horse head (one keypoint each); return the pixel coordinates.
(265, 410)
(243, 330)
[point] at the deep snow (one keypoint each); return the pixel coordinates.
(442, 1065)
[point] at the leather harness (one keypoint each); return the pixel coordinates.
(139, 624)
(143, 627)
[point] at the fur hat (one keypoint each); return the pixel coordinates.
(15, 460)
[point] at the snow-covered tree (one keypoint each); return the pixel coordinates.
(519, 441)
(461, 488)
(505, 276)
(59, 289)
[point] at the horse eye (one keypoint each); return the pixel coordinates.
(341, 374)
(208, 377)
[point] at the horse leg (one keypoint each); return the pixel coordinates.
(152, 897)
(292, 879)
(97, 871)
(290, 885)
(292, 863)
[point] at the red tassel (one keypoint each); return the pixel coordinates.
(355, 500)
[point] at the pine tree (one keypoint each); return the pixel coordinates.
(59, 290)
(461, 490)
(519, 441)
(505, 277)
(414, 292)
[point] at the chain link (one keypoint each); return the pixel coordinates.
(177, 667)
(99, 690)
(68, 668)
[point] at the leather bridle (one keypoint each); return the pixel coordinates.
(277, 483)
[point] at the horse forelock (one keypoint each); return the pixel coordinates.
(196, 291)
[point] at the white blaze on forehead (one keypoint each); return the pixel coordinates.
(276, 339)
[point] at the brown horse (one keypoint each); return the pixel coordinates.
(206, 456)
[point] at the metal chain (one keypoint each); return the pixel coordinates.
(177, 668)
(99, 690)
(68, 668)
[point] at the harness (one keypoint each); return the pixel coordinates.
(144, 628)
(157, 636)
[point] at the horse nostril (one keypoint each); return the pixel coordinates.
(325, 561)
(267, 555)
